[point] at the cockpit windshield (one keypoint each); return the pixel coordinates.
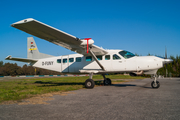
(126, 54)
(160, 57)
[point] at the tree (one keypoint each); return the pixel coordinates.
(25, 69)
(1, 63)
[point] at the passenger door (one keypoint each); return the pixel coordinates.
(65, 64)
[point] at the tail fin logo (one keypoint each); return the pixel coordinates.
(32, 47)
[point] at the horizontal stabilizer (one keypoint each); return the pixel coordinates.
(21, 59)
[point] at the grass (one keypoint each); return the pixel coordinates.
(18, 89)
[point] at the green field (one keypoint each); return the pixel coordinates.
(17, 89)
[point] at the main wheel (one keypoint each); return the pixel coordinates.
(89, 83)
(155, 85)
(107, 81)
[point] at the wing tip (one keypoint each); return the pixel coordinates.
(8, 57)
(23, 21)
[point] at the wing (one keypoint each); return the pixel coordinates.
(56, 36)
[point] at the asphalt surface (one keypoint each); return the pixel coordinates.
(134, 100)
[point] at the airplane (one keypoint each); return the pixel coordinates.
(89, 59)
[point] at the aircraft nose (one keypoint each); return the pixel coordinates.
(166, 61)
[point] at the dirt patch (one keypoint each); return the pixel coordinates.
(39, 99)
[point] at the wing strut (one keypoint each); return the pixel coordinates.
(95, 58)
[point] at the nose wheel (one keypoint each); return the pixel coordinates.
(155, 84)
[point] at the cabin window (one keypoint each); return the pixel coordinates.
(88, 58)
(78, 59)
(107, 57)
(65, 60)
(71, 59)
(99, 57)
(116, 57)
(58, 60)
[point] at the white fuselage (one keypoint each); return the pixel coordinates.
(77, 63)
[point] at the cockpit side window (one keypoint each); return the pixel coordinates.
(116, 57)
(126, 54)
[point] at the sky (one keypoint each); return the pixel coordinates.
(139, 26)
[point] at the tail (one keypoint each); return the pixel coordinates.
(32, 50)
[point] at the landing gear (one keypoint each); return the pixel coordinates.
(155, 84)
(106, 81)
(89, 82)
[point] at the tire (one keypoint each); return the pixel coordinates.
(157, 85)
(107, 81)
(89, 84)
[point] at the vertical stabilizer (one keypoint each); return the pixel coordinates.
(32, 50)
